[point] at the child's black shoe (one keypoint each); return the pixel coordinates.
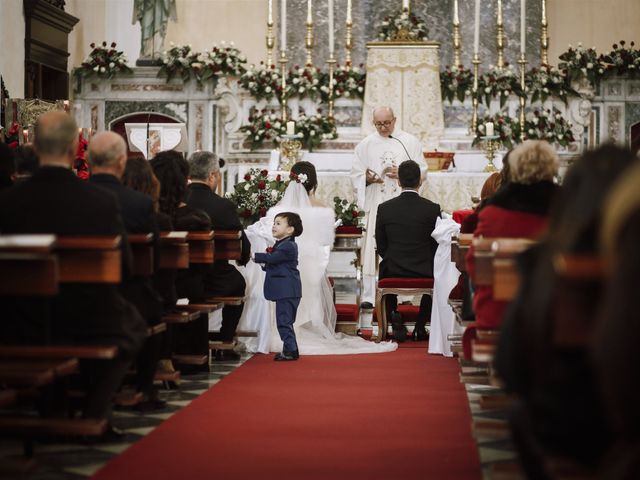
(286, 356)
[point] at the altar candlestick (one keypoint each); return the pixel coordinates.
(500, 37)
(309, 10)
(349, 20)
(331, 40)
(283, 25)
(489, 129)
(544, 39)
(456, 35)
(456, 19)
(476, 31)
(25, 135)
(523, 26)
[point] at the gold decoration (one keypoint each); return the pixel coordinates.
(523, 63)
(457, 45)
(30, 109)
(474, 117)
(332, 64)
(544, 38)
(289, 151)
(490, 145)
(500, 37)
(270, 44)
(308, 42)
(348, 45)
(283, 71)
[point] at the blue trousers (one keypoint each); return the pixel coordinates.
(286, 309)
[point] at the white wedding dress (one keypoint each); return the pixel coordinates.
(316, 317)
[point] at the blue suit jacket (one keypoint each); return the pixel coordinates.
(283, 278)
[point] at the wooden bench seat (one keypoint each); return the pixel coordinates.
(84, 352)
(180, 317)
(173, 250)
(142, 252)
(227, 300)
(33, 426)
(228, 244)
(156, 329)
(201, 247)
(191, 359)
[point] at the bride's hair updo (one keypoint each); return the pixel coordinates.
(307, 168)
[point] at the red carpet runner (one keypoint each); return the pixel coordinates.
(401, 415)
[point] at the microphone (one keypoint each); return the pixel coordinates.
(405, 148)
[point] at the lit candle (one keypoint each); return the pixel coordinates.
(309, 9)
(456, 20)
(291, 127)
(270, 13)
(405, 4)
(25, 135)
(523, 19)
(476, 31)
(349, 20)
(283, 25)
(331, 43)
(489, 129)
(66, 105)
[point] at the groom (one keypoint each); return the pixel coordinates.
(403, 240)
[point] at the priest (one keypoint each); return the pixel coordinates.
(375, 179)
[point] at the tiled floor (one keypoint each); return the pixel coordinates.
(73, 461)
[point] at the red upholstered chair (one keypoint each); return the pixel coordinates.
(397, 286)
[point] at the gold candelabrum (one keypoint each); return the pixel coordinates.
(457, 44)
(290, 146)
(332, 65)
(500, 37)
(283, 74)
(544, 38)
(308, 43)
(270, 44)
(490, 146)
(474, 101)
(523, 63)
(348, 45)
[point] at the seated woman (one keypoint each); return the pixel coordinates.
(316, 317)
(559, 408)
(519, 210)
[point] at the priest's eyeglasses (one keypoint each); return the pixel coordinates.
(386, 123)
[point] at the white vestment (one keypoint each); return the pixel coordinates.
(375, 153)
(316, 317)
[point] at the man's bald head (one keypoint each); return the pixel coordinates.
(56, 137)
(107, 153)
(383, 111)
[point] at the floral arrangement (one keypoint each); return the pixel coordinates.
(578, 63)
(548, 125)
(103, 61)
(548, 81)
(348, 212)
(402, 26)
(456, 82)
(506, 128)
(222, 60)
(11, 136)
(315, 129)
(499, 83)
(621, 60)
(262, 82)
(347, 83)
(180, 61)
(264, 126)
(303, 82)
(257, 194)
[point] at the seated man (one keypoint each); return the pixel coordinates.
(223, 279)
(55, 201)
(403, 240)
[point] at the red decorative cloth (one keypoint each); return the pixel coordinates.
(80, 165)
(460, 215)
(347, 312)
(348, 229)
(405, 283)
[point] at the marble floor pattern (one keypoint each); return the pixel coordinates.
(75, 461)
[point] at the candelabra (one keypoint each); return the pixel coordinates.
(500, 37)
(332, 64)
(270, 44)
(474, 118)
(308, 42)
(348, 45)
(523, 63)
(544, 38)
(283, 72)
(490, 146)
(290, 146)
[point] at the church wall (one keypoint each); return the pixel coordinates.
(90, 28)
(12, 31)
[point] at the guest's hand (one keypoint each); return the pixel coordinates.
(391, 172)
(372, 177)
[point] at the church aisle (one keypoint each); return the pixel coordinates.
(397, 415)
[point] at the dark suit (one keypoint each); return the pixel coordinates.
(55, 201)
(223, 279)
(139, 217)
(282, 284)
(403, 238)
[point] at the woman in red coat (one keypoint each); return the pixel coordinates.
(518, 210)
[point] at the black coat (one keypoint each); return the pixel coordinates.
(403, 236)
(55, 201)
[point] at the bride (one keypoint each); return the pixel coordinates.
(316, 317)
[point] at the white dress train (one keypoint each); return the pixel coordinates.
(316, 316)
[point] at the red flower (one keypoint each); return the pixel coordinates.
(246, 213)
(269, 249)
(264, 173)
(247, 177)
(261, 185)
(13, 145)
(263, 212)
(355, 213)
(267, 124)
(278, 178)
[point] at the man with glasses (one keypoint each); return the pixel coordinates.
(374, 174)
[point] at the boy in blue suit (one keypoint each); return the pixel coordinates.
(282, 282)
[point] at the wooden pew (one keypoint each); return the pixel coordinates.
(201, 247)
(228, 244)
(142, 251)
(174, 250)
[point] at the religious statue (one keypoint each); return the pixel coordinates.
(153, 15)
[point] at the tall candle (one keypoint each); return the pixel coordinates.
(500, 11)
(270, 13)
(456, 19)
(25, 135)
(309, 9)
(283, 25)
(476, 31)
(331, 42)
(489, 129)
(291, 127)
(405, 4)
(523, 22)
(349, 19)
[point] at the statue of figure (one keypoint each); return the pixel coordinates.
(153, 15)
